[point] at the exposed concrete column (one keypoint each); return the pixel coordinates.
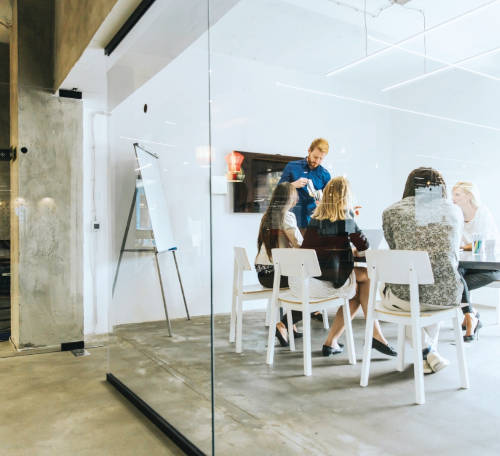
(46, 184)
(4, 142)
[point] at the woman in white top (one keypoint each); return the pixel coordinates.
(477, 220)
(278, 229)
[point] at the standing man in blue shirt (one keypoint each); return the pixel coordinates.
(308, 177)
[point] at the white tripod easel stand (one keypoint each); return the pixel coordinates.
(153, 250)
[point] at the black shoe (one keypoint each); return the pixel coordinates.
(475, 335)
(327, 351)
(283, 341)
(297, 335)
(318, 316)
(382, 348)
(477, 315)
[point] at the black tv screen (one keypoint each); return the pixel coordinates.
(262, 174)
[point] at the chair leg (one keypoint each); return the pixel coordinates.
(348, 332)
(498, 307)
(459, 342)
(325, 319)
(365, 367)
(268, 312)
(271, 333)
(239, 324)
(401, 348)
(418, 367)
(232, 322)
(306, 326)
(291, 338)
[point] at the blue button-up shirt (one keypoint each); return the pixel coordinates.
(320, 176)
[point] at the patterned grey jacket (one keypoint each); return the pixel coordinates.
(437, 230)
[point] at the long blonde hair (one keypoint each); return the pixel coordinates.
(336, 203)
(470, 190)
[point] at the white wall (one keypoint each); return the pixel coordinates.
(249, 112)
(460, 151)
(175, 127)
(98, 268)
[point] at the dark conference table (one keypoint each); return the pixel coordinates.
(471, 260)
(467, 260)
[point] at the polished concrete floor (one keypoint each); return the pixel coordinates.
(59, 404)
(276, 410)
(56, 404)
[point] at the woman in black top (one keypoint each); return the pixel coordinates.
(331, 231)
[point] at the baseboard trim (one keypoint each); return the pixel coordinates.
(68, 346)
(164, 426)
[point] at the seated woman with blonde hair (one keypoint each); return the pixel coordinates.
(330, 233)
(477, 220)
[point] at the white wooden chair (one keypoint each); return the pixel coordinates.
(242, 293)
(412, 268)
(496, 284)
(302, 264)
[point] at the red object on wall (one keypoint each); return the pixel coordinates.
(234, 161)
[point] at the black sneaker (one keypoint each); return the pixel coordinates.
(382, 348)
(327, 351)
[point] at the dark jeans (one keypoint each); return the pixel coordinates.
(474, 279)
(266, 279)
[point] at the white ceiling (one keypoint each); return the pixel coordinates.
(316, 36)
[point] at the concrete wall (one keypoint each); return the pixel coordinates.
(4, 96)
(76, 22)
(4, 142)
(46, 251)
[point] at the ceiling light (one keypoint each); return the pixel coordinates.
(413, 37)
(459, 64)
(386, 106)
(447, 67)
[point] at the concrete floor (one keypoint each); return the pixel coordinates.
(56, 404)
(276, 410)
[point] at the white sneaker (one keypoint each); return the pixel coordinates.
(427, 368)
(436, 361)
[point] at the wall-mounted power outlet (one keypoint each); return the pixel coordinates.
(96, 226)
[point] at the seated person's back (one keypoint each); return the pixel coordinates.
(435, 227)
(331, 240)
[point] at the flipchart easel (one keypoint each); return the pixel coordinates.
(153, 250)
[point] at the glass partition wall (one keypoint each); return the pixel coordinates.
(392, 86)
(160, 316)
(222, 97)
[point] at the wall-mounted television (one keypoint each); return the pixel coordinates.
(262, 174)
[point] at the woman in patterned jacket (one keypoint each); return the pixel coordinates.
(425, 220)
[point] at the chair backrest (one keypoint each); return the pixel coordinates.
(374, 237)
(393, 266)
(241, 259)
(296, 262)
